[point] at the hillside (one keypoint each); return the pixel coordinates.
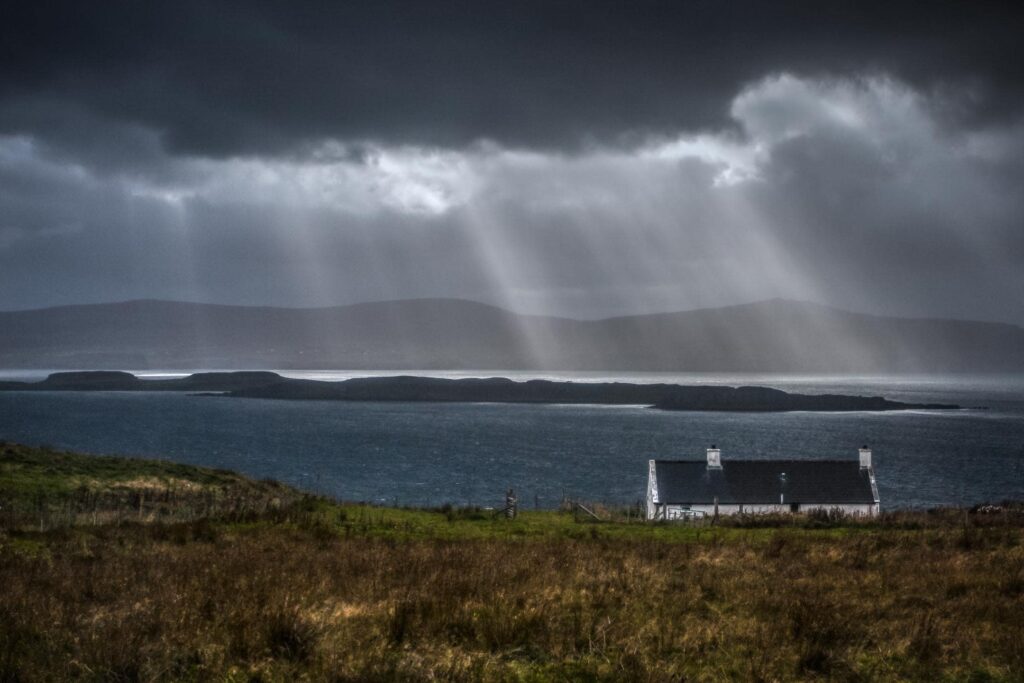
(770, 336)
(316, 590)
(41, 487)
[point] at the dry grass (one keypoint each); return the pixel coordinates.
(326, 592)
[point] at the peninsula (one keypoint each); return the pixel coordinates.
(472, 390)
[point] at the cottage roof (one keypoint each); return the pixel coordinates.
(692, 482)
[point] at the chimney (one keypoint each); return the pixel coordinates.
(714, 458)
(865, 457)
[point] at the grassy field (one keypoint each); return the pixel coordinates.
(116, 569)
(48, 488)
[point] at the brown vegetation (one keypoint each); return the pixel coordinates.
(346, 593)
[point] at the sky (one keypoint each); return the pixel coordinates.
(584, 159)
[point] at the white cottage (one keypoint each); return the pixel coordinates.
(681, 489)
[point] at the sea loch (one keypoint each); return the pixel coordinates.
(465, 453)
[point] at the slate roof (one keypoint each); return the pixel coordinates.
(690, 482)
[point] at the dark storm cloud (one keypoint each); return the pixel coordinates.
(581, 159)
(221, 78)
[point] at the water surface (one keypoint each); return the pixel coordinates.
(428, 454)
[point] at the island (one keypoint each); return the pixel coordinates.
(270, 385)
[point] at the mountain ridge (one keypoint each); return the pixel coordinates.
(776, 335)
(484, 305)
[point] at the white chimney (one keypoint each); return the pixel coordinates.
(714, 458)
(865, 458)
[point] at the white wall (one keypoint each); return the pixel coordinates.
(678, 512)
(652, 490)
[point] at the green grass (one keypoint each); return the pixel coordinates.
(311, 589)
(44, 487)
(28, 471)
(409, 524)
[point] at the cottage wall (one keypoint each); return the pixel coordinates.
(679, 512)
(652, 490)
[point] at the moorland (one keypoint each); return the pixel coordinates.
(128, 569)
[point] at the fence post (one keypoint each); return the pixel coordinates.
(511, 504)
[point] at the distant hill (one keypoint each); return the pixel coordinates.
(769, 336)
